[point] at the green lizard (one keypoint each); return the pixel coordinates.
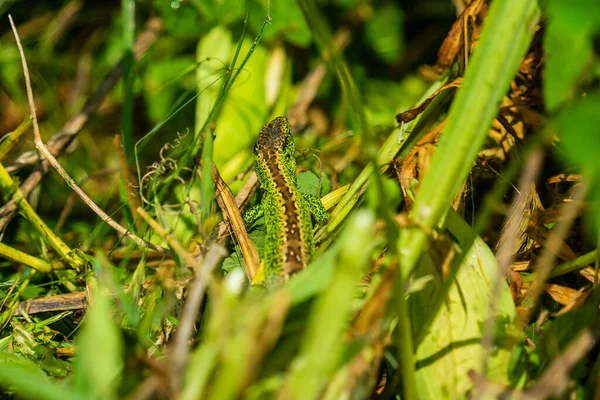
(289, 242)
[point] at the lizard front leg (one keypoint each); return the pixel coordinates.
(316, 207)
(253, 214)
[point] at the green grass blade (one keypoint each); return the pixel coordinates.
(322, 344)
(13, 138)
(396, 141)
(99, 364)
(506, 34)
(128, 20)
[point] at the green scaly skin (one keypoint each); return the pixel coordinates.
(289, 242)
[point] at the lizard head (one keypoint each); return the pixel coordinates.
(275, 138)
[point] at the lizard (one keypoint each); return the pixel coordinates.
(289, 242)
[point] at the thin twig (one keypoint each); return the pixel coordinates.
(39, 144)
(62, 139)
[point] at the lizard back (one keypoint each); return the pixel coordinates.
(286, 247)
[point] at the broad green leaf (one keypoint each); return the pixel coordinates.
(99, 363)
(452, 346)
(568, 41)
(384, 31)
(244, 113)
(29, 382)
(212, 54)
(309, 183)
(286, 21)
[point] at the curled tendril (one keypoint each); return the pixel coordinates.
(162, 168)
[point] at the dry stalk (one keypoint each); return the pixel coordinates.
(231, 214)
(39, 144)
(62, 139)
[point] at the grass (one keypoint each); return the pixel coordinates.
(438, 273)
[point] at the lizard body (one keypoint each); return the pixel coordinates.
(289, 242)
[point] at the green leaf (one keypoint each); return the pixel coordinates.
(29, 382)
(309, 183)
(257, 236)
(385, 32)
(244, 113)
(452, 346)
(568, 42)
(99, 364)
(212, 55)
(286, 21)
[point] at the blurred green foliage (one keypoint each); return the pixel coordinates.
(220, 69)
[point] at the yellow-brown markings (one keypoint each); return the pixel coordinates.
(294, 257)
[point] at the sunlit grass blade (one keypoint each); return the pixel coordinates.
(507, 32)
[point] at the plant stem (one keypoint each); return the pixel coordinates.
(31, 261)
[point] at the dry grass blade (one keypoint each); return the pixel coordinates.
(241, 200)
(61, 302)
(413, 113)
(231, 214)
(513, 234)
(451, 46)
(544, 263)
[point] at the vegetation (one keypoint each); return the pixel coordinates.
(455, 146)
